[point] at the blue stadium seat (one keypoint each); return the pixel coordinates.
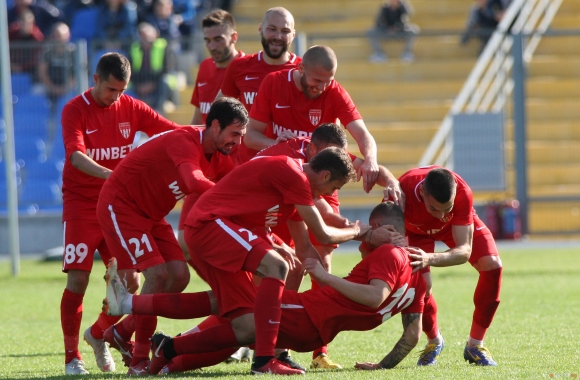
(35, 105)
(50, 169)
(58, 151)
(84, 24)
(42, 192)
(29, 148)
(3, 184)
(31, 125)
(21, 84)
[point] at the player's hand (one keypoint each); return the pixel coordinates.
(369, 171)
(361, 228)
(367, 366)
(289, 255)
(387, 235)
(285, 136)
(419, 258)
(315, 269)
(394, 193)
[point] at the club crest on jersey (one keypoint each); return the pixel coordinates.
(125, 129)
(315, 116)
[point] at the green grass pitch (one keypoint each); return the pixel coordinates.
(534, 335)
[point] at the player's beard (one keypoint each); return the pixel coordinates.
(226, 149)
(306, 89)
(268, 51)
(222, 55)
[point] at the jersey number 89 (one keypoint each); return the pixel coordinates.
(71, 253)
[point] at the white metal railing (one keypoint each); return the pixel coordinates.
(489, 84)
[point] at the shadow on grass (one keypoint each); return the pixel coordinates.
(29, 355)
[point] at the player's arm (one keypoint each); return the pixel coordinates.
(303, 247)
(463, 237)
(387, 180)
(194, 178)
(326, 234)
(410, 338)
(372, 294)
(196, 119)
(328, 215)
(369, 171)
(89, 166)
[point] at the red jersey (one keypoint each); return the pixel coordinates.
(244, 76)
(419, 221)
(331, 312)
(284, 107)
(149, 181)
(207, 85)
(260, 193)
(106, 135)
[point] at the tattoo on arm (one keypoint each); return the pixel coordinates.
(402, 348)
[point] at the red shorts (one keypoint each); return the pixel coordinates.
(188, 204)
(225, 255)
(136, 241)
(81, 239)
(227, 246)
(297, 332)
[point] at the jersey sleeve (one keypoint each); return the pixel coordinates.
(261, 109)
(347, 111)
(292, 183)
(150, 122)
(385, 264)
(195, 95)
(72, 130)
(229, 87)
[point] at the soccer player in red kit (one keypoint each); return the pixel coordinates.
(145, 187)
(219, 33)
(244, 76)
(98, 129)
(296, 101)
(439, 207)
(238, 213)
(380, 286)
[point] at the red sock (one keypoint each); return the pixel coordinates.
(144, 328)
(103, 322)
(267, 315)
(190, 362)
(430, 326)
(126, 327)
(486, 300)
(318, 351)
(213, 339)
(211, 321)
(173, 305)
(71, 313)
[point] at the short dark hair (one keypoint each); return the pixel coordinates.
(219, 17)
(336, 161)
(329, 133)
(389, 213)
(115, 64)
(440, 184)
(319, 55)
(227, 111)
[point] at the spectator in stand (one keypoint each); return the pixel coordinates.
(45, 14)
(24, 57)
(166, 23)
(56, 67)
(117, 23)
(484, 16)
(187, 12)
(153, 63)
(393, 23)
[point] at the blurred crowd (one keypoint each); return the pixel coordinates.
(150, 32)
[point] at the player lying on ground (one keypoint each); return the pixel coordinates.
(381, 285)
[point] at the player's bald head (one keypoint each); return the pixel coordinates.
(388, 213)
(278, 12)
(321, 56)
